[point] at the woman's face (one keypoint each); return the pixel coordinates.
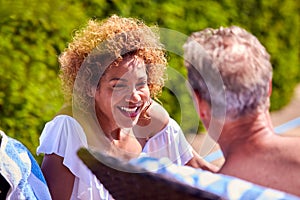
(122, 94)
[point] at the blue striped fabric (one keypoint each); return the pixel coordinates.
(222, 185)
(20, 169)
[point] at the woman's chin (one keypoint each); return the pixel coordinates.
(127, 123)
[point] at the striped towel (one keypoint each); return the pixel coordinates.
(225, 186)
(21, 171)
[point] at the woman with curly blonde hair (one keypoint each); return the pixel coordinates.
(109, 73)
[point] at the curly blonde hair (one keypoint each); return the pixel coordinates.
(119, 36)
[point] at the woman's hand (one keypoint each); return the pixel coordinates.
(198, 162)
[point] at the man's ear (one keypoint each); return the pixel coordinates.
(270, 87)
(199, 102)
(196, 100)
(203, 109)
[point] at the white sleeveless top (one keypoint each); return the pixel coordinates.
(64, 136)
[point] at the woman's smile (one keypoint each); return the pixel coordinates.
(131, 111)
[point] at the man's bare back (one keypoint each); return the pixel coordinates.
(273, 162)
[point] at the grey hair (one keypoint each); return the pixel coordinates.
(241, 61)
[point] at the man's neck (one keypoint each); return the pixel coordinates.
(247, 131)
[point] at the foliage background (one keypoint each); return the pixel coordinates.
(33, 33)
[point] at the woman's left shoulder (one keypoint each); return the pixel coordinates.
(157, 119)
(159, 116)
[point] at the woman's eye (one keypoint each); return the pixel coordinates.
(141, 84)
(119, 86)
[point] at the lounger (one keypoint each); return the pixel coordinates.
(126, 181)
(150, 178)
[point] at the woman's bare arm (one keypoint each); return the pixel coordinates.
(159, 118)
(59, 178)
(156, 120)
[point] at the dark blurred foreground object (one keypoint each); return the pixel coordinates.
(125, 181)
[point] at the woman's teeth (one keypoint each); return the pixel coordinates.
(126, 109)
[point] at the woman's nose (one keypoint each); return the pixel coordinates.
(133, 96)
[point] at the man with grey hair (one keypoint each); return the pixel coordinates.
(231, 76)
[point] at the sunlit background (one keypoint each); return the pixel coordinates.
(33, 33)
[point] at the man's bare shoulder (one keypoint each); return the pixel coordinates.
(275, 165)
